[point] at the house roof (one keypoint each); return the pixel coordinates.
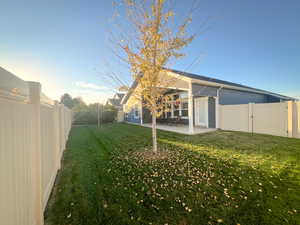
(114, 101)
(223, 82)
(120, 95)
(129, 92)
(216, 82)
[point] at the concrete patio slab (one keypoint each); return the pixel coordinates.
(182, 129)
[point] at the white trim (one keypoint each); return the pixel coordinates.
(141, 112)
(179, 76)
(197, 122)
(180, 108)
(217, 112)
(175, 88)
(217, 99)
(191, 109)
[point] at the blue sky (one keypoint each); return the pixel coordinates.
(64, 44)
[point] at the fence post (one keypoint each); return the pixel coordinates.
(61, 129)
(297, 104)
(35, 101)
(250, 117)
(57, 134)
(290, 118)
(295, 120)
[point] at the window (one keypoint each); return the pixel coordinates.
(168, 114)
(136, 111)
(178, 106)
(175, 97)
(185, 105)
(184, 108)
(185, 113)
(183, 95)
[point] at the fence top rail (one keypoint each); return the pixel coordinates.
(261, 103)
(12, 87)
(46, 100)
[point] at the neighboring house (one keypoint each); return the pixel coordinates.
(195, 99)
(116, 100)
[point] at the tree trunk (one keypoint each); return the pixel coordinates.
(154, 134)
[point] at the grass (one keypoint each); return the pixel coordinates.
(215, 178)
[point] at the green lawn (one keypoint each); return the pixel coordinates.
(215, 178)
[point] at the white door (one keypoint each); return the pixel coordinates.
(201, 111)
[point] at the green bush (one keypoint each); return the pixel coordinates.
(89, 115)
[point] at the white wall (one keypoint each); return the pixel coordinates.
(32, 139)
(278, 119)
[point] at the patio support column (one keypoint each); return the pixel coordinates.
(217, 113)
(218, 108)
(141, 110)
(172, 107)
(191, 109)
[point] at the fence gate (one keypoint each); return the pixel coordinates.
(270, 118)
(280, 119)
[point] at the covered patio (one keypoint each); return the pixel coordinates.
(189, 108)
(184, 113)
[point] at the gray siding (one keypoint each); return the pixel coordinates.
(147, 117)
(202, 90)
(231, 97)
(211, 112)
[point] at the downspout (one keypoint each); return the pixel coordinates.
(217, 108)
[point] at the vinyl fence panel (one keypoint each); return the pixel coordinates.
(49, 156)
(271, 118)
(33, 133)
(17, 167)
(234, 117)
(280, 119)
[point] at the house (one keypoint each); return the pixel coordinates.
(116, 100)
(195, 100)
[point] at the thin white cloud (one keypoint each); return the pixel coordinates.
(86, 85)
(91, 93)
(92, 96)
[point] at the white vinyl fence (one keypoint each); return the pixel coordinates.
(297, 112)
(280, 119)
(33, 133)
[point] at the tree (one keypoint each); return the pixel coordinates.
(154, 44)
(79, 105)
(67, 100)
